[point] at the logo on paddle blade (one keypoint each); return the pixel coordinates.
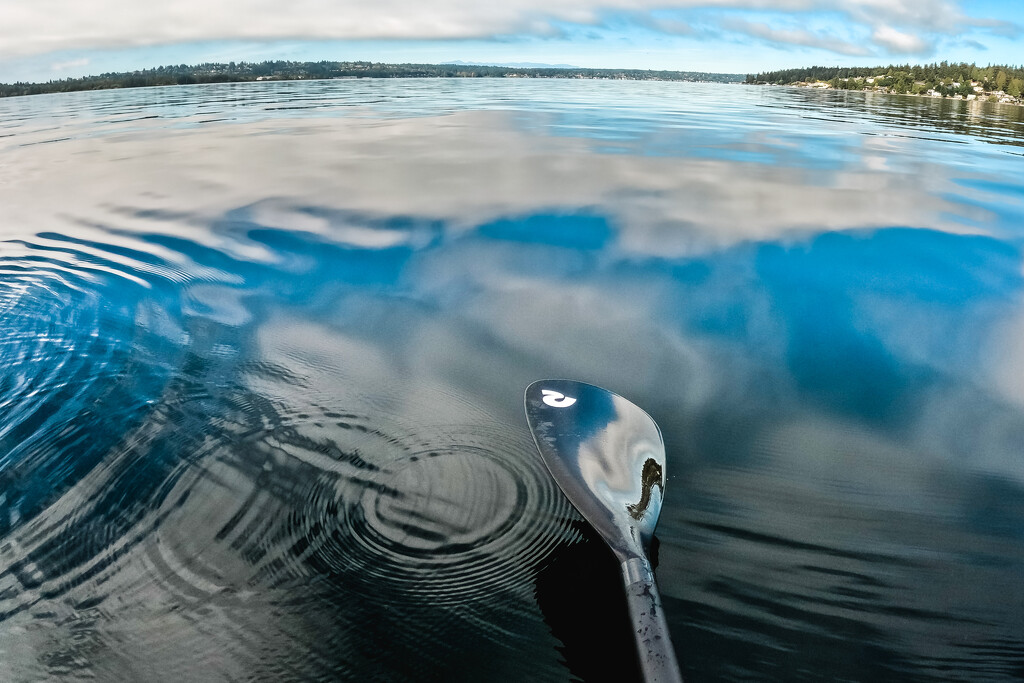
(556, 400)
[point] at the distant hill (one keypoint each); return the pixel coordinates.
(514, 65)
(233, 72)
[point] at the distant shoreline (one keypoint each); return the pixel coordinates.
(995, 83)
(1013, 102)
(245, 72)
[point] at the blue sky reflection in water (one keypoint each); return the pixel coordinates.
(265, 347)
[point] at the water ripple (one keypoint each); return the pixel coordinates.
(261, 379)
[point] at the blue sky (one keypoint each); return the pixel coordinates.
(51, 39)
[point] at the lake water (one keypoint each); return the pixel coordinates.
(264, 349)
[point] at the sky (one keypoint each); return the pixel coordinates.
(43, 40)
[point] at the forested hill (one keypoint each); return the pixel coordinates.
(943, 77)
(279, 70)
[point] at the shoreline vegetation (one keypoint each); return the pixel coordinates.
(243, 72)
(993, 83)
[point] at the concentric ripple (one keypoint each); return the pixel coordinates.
(428, 516)
(441, 504)
(449, 524)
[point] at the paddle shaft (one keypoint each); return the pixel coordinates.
(657, 657)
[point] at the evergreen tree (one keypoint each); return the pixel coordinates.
(903, 78)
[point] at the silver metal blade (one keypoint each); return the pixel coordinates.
(606, 454)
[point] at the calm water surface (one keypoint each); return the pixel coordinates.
(264, 348)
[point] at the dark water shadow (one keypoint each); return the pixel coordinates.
(580, 593)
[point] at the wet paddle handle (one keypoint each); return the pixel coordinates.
(654, 646)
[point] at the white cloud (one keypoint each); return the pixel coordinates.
(899, 42)
(44, 26)
(930, 15)
(795, 37)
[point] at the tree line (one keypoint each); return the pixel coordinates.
(945, 78)
(233, 72)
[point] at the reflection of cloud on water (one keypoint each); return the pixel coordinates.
(352, 348)
(1004, 359)
(350, 181)
(468, 169)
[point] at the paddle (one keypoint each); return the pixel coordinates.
(608, 457)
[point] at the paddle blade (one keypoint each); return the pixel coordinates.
(607, 456)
